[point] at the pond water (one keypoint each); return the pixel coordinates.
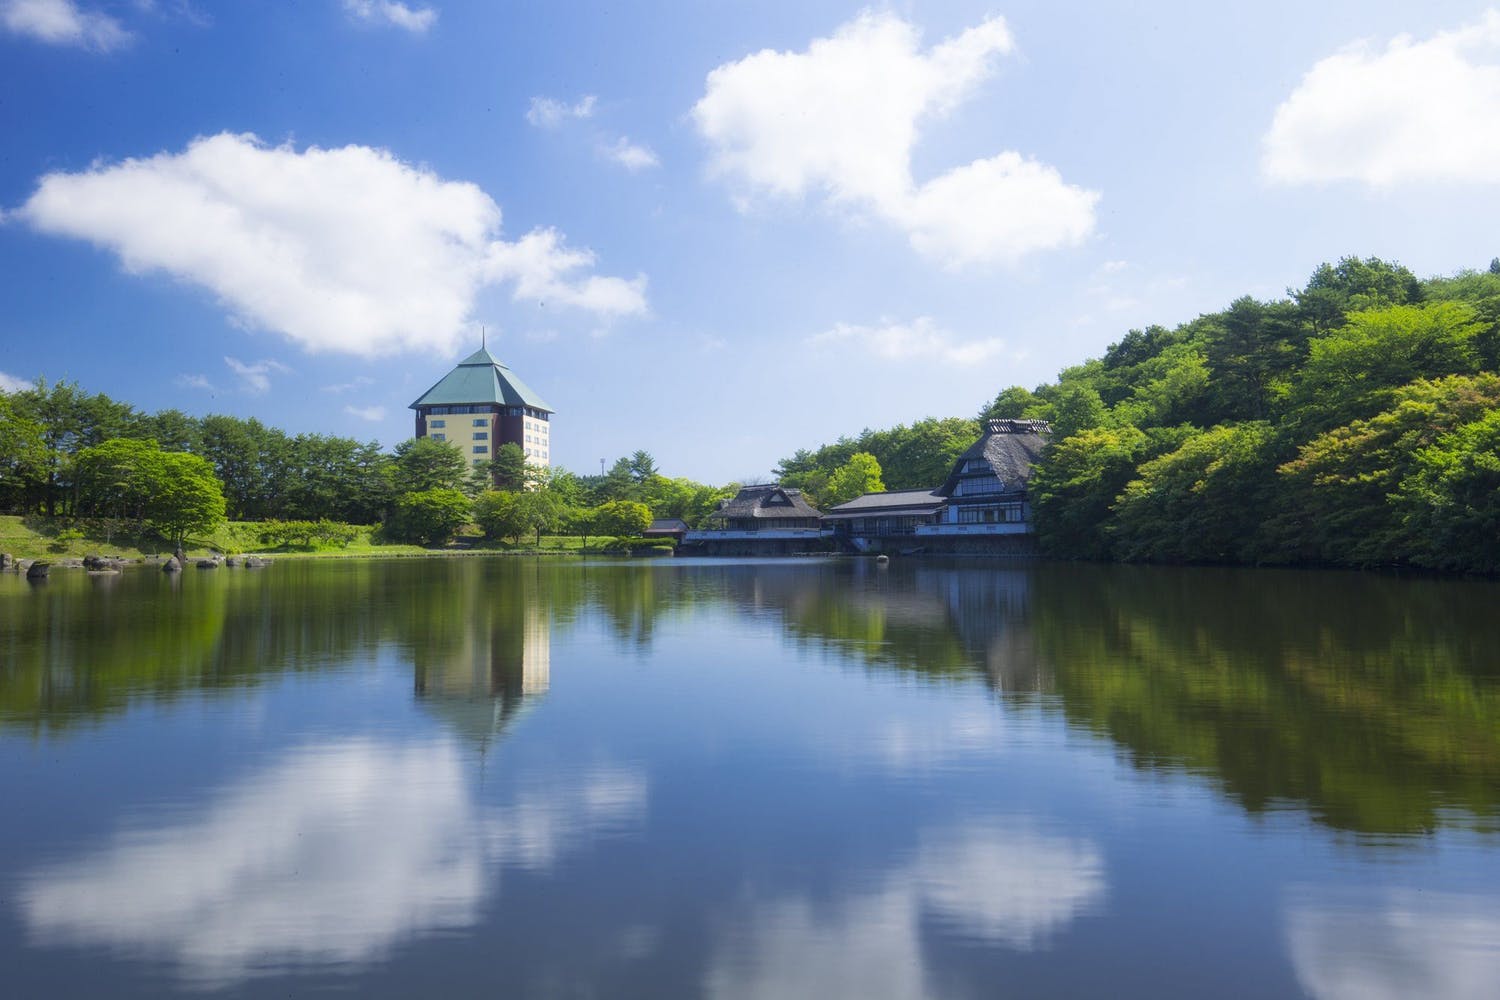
(749, 779)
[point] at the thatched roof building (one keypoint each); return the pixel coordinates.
(760, 508)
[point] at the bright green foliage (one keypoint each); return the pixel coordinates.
(498, 513)
(430, 517)
(1078, 407)
(173, 493)
(1202, 502)
(308, 534)
(1336, 491)
(510, 515)
(855, 478)
(624, 518)
(186, 499)
(915, 457)
(1014, 403)
(1072, 492)
(1451, 501)
(1170, 388)
(1351, 372)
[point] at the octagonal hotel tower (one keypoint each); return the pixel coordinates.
(481, 405)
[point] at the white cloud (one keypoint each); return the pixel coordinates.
(921, 339)
(1396, 944)
(374, 414)
(9, 383)
(344, 249)
(257, 377)
(546, 112)
(841, 120)
(1415, 110)
(398, 15)
(539, 265)
(332, 856)
(63, 22)
(195, 381)
(630, 155)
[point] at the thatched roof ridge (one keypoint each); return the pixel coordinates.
(1011, 447)
(771, 501)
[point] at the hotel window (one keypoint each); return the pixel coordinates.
(440, 437)
(480, 449)
(437, 423)
(481, 435)
(481, 422)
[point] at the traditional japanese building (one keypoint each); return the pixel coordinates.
(983, 505)
(481, 405)
(759, 520)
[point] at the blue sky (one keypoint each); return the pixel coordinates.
(717, 231)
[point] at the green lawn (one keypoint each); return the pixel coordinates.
(38, 538)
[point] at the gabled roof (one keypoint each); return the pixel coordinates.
(481, 379)
(1011, 447)
(895, 502)
(771, 502)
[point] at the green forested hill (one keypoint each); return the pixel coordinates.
(1354, 422)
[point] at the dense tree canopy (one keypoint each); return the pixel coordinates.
(1348, 424)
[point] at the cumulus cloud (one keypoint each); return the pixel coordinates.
(541, 266)
(1414, 110)
(632, 156)
(374, 414)
(9, 383)
(345, 249)
(920, 340)
(256, 377)
(63, 22)
(841, 120)
(547, 112)
(397, 15)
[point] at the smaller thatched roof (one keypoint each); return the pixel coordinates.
(772, 502)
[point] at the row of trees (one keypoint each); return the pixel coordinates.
(68, 453)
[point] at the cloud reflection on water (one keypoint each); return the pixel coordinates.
(1400, 944)
(331, 856)
(1001, 881)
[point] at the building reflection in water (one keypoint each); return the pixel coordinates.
(496, 666)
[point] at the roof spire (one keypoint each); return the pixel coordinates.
(482, 344)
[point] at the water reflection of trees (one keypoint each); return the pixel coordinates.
(1372, 701)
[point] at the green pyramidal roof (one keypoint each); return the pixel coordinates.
(480, 379)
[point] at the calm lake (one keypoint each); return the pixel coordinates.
(534, 778)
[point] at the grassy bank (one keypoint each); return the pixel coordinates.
(40, 538)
